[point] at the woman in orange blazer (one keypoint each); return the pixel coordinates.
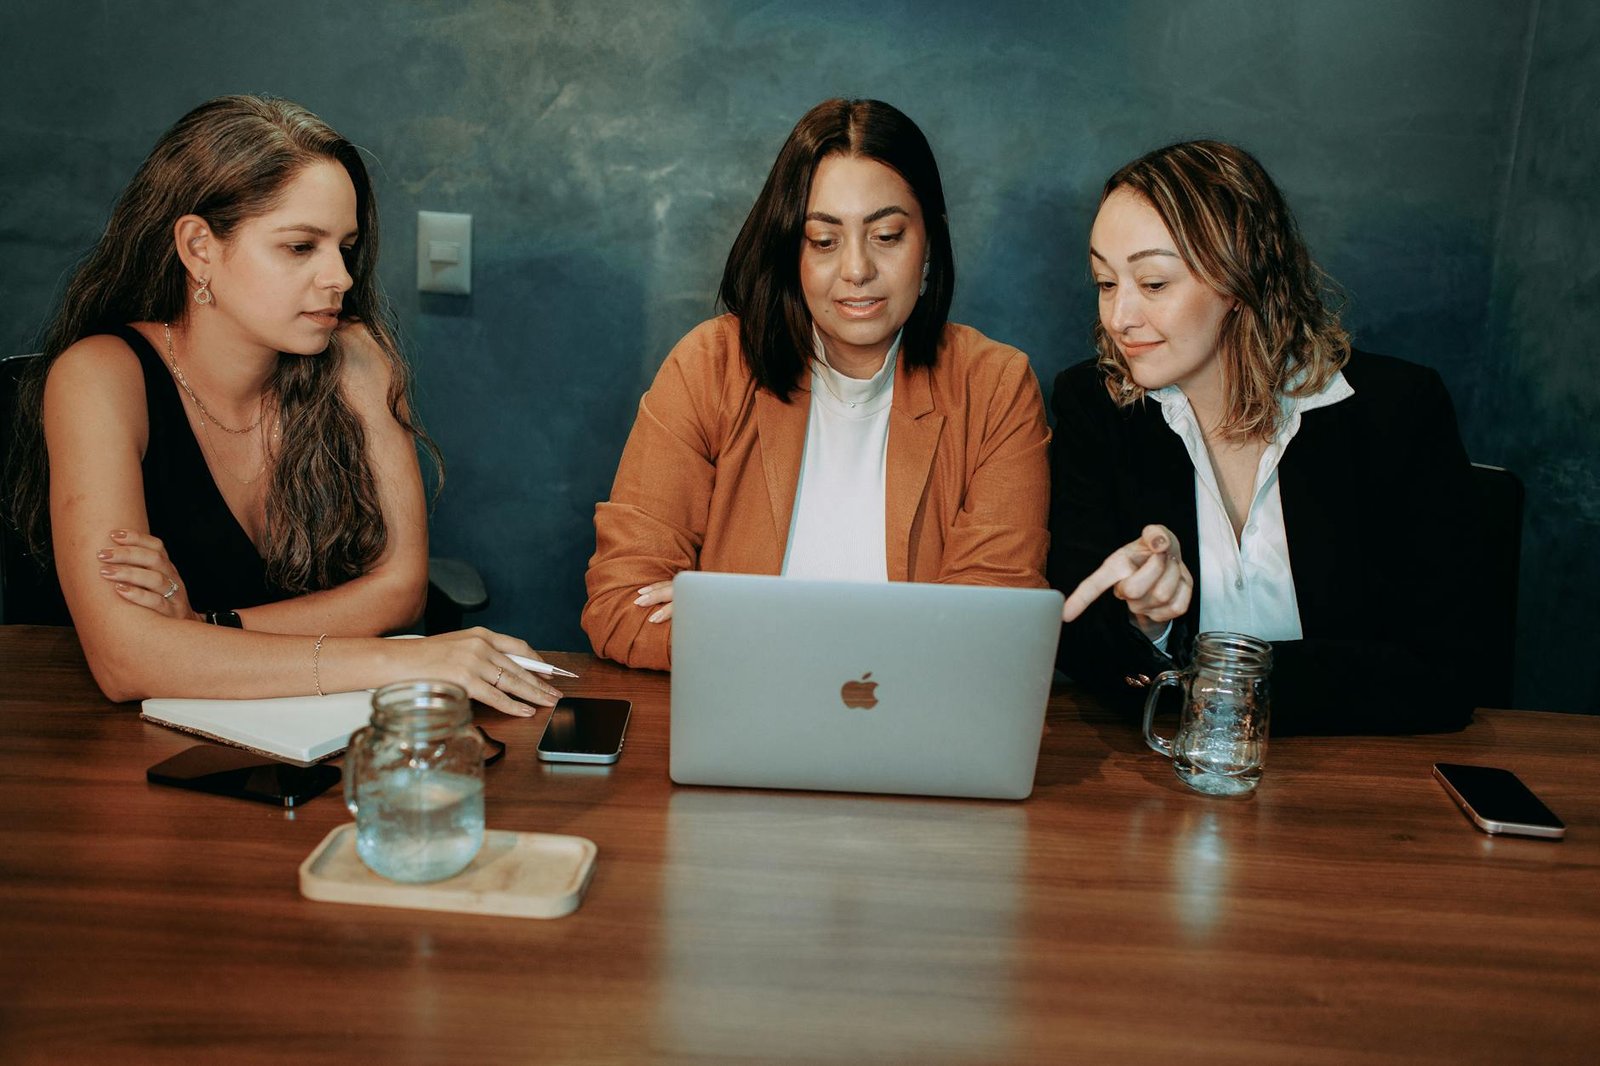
(834, 424)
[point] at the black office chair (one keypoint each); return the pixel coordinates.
(29, 593)
(1497, 499)
(455, 590)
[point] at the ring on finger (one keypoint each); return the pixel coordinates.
(172, 589)
(497, 677)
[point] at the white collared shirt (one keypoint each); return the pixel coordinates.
(1246, 585)
(837, 531)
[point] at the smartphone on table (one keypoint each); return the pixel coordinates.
(584, 729)
(1497, 801)
(244, 774)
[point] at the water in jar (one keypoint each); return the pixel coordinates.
(1223, 747)
(420, 825)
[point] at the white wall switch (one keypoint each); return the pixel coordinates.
(444, 253)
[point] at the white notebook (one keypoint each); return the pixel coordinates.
(298, 729)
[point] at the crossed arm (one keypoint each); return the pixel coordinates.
(140, 642)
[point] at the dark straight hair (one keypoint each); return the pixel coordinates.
(761, 282)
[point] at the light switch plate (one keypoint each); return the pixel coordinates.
(444, 253)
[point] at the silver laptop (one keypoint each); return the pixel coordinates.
(935, 690)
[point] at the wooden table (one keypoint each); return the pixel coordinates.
(1346, 912)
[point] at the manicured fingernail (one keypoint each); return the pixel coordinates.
(103, 553)
(658, 614)
(644, 590)
(106, 571)
(639, 601)
(121, 587)
(118, 534)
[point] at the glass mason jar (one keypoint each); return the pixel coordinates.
(1221, 744)
(414, 781)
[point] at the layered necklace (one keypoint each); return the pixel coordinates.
(207, 417)
(177, 372)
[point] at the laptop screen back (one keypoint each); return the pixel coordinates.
(866, 687)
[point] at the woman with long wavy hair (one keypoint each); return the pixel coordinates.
(1230, 463)
(216, 452)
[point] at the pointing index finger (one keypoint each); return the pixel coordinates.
(1119, 564)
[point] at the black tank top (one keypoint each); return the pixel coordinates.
(205, 542)
(219, 565)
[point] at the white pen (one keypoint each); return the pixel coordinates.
(539, 666)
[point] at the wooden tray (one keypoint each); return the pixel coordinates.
(515, 875)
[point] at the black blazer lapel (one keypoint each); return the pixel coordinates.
(1161, 489)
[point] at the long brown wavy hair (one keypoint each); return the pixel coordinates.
(228, 161)
(761, 281)
(1235, 232)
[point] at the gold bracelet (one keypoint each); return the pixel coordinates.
(316, 672)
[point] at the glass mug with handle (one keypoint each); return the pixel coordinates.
(414, 781)
(1221, 743)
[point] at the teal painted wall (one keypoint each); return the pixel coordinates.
(1538, 407)
(609, 151)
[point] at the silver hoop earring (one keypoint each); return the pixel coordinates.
(202, 295)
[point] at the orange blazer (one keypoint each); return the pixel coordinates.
(707, 480)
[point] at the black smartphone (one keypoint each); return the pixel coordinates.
(235, 772)
(1497, 801)
(584, 729)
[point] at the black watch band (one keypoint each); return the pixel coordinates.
(224, 618)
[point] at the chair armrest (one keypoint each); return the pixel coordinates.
(454, 590)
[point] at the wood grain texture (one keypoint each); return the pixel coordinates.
(1345, 913)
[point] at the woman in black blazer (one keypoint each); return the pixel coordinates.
(1229, 462)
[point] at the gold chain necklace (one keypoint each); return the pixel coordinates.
(266, 450)
(177, 372)
(822, 376)
(823, 370)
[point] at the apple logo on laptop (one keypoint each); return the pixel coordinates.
(859, 693)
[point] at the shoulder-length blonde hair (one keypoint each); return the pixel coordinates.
(1236, 233)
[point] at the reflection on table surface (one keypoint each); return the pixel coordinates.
(1346, 911)
(846, 915)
